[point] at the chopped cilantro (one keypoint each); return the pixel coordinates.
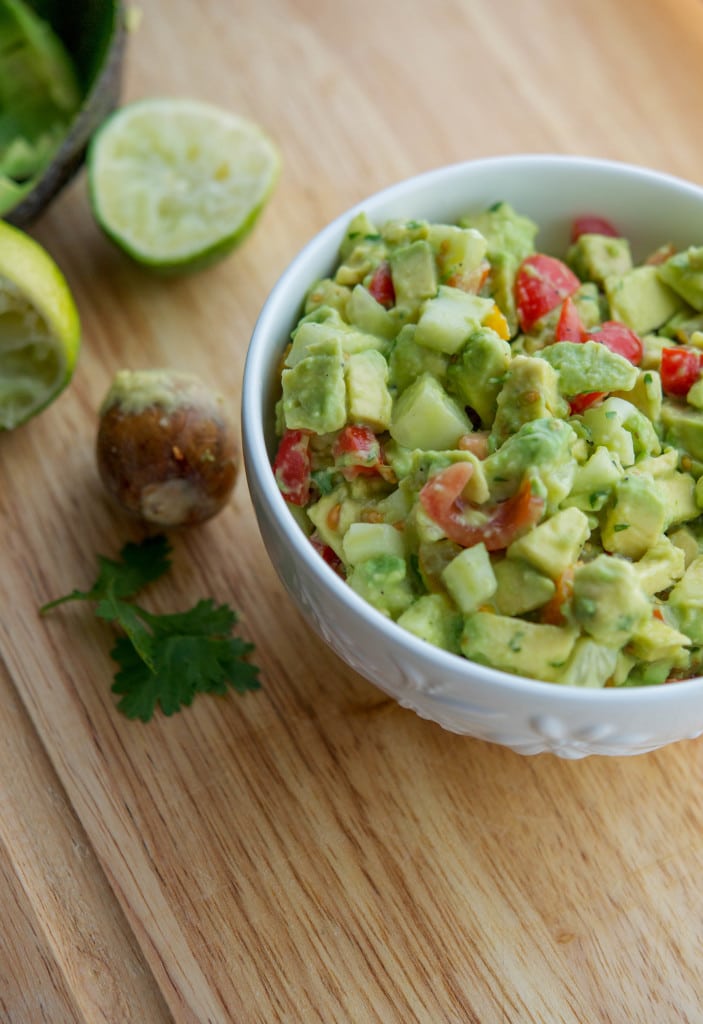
(620, 526)
(163, 660)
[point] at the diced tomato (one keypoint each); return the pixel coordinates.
(328, 555)
(291, 466)
(680, 369)
(619, 339)
(357, 451)
(569, 326)
(441, 499)
(579, 403)
(475, 442)
(591, 225)
(381, 285)
(542, 283)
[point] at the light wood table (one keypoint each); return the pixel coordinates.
(312, 852)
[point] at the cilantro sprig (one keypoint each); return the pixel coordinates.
(164, 660)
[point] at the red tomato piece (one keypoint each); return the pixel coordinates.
(357, 451)
(569, 326)
(291, 466)
(680, 369)
(441, 499)
(579, 403)
(619, 339)
(328, 555)
(542, 283)
(381, 285)
(592, 225)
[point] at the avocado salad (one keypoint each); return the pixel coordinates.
(501, 449)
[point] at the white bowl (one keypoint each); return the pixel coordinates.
(528, 716)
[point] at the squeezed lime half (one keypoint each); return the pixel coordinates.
(39, 328)
(178, 183)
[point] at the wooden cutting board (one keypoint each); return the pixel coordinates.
(312, 852)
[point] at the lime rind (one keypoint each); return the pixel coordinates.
(177, 184)
(39, 328)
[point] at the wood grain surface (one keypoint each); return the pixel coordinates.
(312, 852)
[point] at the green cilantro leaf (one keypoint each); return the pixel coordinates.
(164, 660)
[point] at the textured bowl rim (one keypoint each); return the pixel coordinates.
(257, 459)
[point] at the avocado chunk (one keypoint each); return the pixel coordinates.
(640, 299)
(594, 480)
(447, 320)
(414, 273)
(369, 540)
(332, 515)
(686, 601)
(520, 587)
(504, 229)
(590, 664)
(424, 416)
(622, 429)
(541, 447)
(314, 393)
(646, 394)
(459, 252)
(683, 272)
(368, 399)
(554, 545)
(608, 601)
(383, 582)
(683, 427)
(657, 640)
(366, 313)
(516, 645)
(478, 373)
(434, 619)
(408, 360)
(660, 566)
(587, 367)
(329, 295)
(595, 257)
(530, 392)
(637, 518)
(470, 579)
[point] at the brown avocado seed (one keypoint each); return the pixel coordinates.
(166, 448)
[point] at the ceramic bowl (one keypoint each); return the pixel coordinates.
(528, 716)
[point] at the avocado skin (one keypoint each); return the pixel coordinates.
(94, 33)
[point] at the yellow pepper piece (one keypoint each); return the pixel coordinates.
(497, 322)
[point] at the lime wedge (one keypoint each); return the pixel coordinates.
(39, 328)
(177, 183)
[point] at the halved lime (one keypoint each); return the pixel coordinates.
(39, 328)
(178, 183)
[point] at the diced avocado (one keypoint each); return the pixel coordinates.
(520, 588)
(622, 429)
(678, 492)
(656, 640)
(682, 326)
(448, 319)
(530, 392)
(383, 582)
(504, 229)
(394, 507)
(327, 336)
(589, 367)
(608, 601)
(424, 416)
(368, 540)
(470, 579)
(591, 664)
(554, 545)
(479, 371)
(637, 518)
(414, 273)
(541, 447)
(686, 601)
(362, 249)
(329, 294)
(694, 395)
(458, 251)
(408, 360)
(640, 299)
(501, 287)
(596, 257)
(332, 515)
(685, 540)
(591, 305)
(433, 618)
(684, 273)
(594, 481)
(314, 394)
(649, 673)
(515, 645)
(652, 347)
(645, 395)
(368, 399)
(397, 231)
(364, 312)
(683, 427)
(660, 566)
(359, 228)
